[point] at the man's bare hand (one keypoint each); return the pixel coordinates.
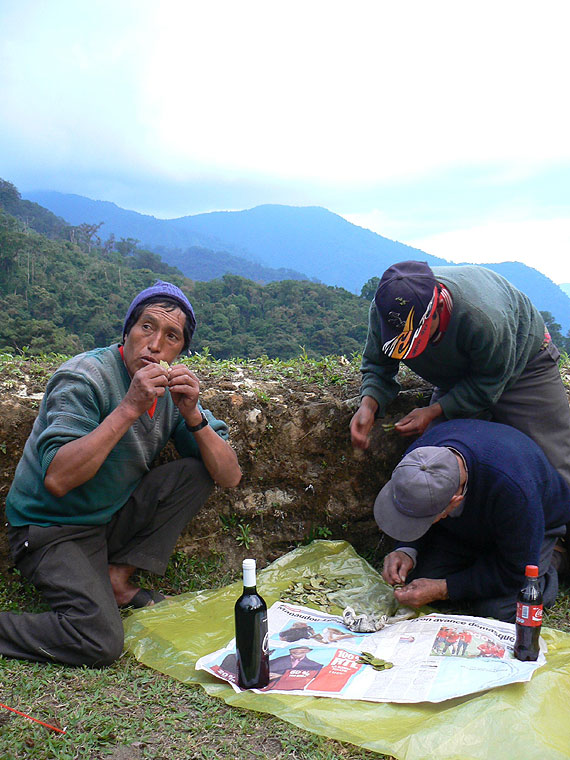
(362, 422)
(417, 420)
(185, 389)
(421, 591)
(147, 384)
(397, 565)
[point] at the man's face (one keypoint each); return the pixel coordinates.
(299, 652)
(434, 325)
(158, 335)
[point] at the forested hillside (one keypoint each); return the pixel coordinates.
(64, 289)
(271, 242)
(70, 292)
(206, 264)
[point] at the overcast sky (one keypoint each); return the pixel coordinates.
(444, 125)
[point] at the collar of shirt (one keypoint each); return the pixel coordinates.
(445, 315)
(459, 510)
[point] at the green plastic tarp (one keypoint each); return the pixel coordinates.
(527, 721)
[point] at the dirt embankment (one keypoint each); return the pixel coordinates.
(301, 477)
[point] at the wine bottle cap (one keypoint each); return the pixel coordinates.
(248, 573)
(531, 571)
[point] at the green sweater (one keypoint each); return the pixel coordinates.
(493, 332)
(81, 393)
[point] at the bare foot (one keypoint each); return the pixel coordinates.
(122, 588)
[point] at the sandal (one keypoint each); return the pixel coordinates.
(143, 598)
(560, 558)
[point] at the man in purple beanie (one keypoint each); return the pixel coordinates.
(85, 509)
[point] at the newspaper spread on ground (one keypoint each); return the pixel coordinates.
(434, 657)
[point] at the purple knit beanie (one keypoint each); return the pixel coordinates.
(166, 290)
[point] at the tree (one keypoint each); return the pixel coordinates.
(562, 343)
(369, 288)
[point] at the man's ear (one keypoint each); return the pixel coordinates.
(440, 305)
(456, 500)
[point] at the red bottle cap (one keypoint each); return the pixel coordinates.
(531, 571)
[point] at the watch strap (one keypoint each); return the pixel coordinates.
(199, 426)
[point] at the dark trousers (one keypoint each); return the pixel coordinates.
(537, 405)
(69, 565)
(442, 556)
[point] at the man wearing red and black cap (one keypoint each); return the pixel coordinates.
(478, 340)
(86, 508)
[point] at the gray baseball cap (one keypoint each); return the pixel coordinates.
(420, 488)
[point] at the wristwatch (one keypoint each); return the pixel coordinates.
(199, 426)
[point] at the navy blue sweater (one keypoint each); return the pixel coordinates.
(513, 495)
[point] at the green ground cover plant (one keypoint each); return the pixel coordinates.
(129, 712)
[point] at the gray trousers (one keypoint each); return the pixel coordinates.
(69, 566)
(537, 405)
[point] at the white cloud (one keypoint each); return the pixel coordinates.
(540, 243)
(348, 97)
(364, 92)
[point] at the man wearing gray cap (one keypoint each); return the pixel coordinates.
(470, 505)
(86, 508)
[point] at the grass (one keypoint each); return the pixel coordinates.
(129, 712)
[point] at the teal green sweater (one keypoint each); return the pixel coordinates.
(493, 332)
(81, 393)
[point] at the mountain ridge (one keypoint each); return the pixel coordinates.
(309, 242)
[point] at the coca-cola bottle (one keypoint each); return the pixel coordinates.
(529, 616)
(251, 633)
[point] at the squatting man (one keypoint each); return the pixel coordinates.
(85, 508)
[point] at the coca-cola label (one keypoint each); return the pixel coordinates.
(529, 614)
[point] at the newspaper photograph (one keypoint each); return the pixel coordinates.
(426, 659)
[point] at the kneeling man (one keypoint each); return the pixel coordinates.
(470, 505)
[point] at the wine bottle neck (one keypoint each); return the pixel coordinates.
(249, 574)
(249, 589)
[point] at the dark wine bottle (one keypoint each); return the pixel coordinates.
(251, 633)
(529, 617)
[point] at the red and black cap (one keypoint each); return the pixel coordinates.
(406, 300)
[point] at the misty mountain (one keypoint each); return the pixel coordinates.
(565, 286)
(308, 240)
(204, 264)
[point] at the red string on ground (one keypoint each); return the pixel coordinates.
(47, 725)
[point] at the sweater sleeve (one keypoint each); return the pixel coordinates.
(491, 346)
(378, 370)
(186, 443)
(72, 411)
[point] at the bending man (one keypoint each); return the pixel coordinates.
(478, 340)
(470, 505)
